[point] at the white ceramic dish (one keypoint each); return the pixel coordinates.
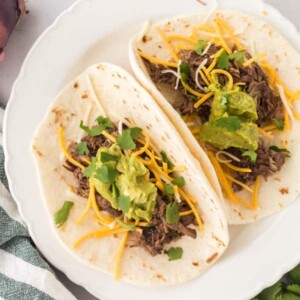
(97, 30)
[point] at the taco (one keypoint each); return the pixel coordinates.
(126, 194)
(229, 81)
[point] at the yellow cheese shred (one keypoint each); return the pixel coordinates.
(265, 134)
(242, 170)
(109, 136)
(255, 193)
(165, 39)
(119, 256)
(65, 150)
(203, 99)
(182, 38)
(287, 122)
(269, 128)
(190, 90)
(185, 213)
(206, 80)
(146, 146)
(227, 28)
(239, 183)
(221, 38)
(157, 61)
(227, 74)
(253, 59)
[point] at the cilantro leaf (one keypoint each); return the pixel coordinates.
(223, 61)
(169, 189)
(199, 46)
(61, 216)
(105, 157)
(126, 226)
(271, 292)
(238, 56)
(179, 181)
(135, 132)
(295, 288)
(295, 275)
(125, 140)
(230, 123)
(184, 72)
(276, 149)
(106, 174)
(175, 253)
(278, 123)
(251, 154)
(94, 131)
(104, 121)
(224, 100)
(172, 213)
(90, 169)
(123, 203)
(82, 149)
(166, 160)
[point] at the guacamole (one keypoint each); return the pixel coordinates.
(130, 182)
(224, 106)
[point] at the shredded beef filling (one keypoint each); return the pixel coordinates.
(155, 237)
(267, 163)
(159, 233)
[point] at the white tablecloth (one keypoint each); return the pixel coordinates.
(42, 13)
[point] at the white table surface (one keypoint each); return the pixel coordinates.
(42, 13)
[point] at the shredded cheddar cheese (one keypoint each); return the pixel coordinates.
(227, 74)
(109, 136)
(185, 213)
(239, 183)
(119, 256)
(204, 77)
(265, 134)
(157, 61)
(255, 193)
(253, 59)
(143, 149)
(221, 38)
(182, 38)
(242, 170)
(65, 150)
(203, 99)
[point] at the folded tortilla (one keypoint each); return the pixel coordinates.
(258, 37)
(108, 90)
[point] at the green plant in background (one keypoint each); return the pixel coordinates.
(288, 288)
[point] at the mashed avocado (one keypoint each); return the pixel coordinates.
(131, 181)
(225, 105)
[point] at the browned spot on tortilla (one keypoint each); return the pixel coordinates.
(37, 151)
(277, 179)
(211, 258)
(115, 235)
(159, 46)
(146, 38)
(151, 268)
(163, 138)
(117, 86)
(195, 263)
(76, 85)
(84, 95)
(281, 205)
(217, 239)
(187, 26)
(146, 106)
(239, 213)
(201, 2)
(159, 276)
(298, 69)
(59, 114)
(113, 75)
(144, 265)
(119, 75)
(100, 67)
(124, 101)
(284, 191)
(55, 169)
(149, 126)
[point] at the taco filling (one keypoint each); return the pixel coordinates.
(130, 187)
(234, 105)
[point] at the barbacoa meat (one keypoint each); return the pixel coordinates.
(267, 163)
(160, 232)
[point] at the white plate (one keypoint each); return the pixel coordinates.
(98, 30)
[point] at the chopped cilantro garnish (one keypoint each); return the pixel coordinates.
(230, 123)
(294, 288)
(82, 149)
(106, 174)
(224, 100)
(61, 216)
(94, 131)
(169, 189)
(223, 61)
(238, 56)
(251, 154)
(123, 203)
(184, 72)
(104, 121)
(172, 213)
(126, 226)
(276, 149)
(278, 123)
(199, 46)
(175, 253)
(135, 132)
(90, 169)
(105, 157)
(125, 140)
(166, 160)
(179, 181)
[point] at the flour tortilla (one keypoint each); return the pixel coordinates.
(106, 89)
(258, 37)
